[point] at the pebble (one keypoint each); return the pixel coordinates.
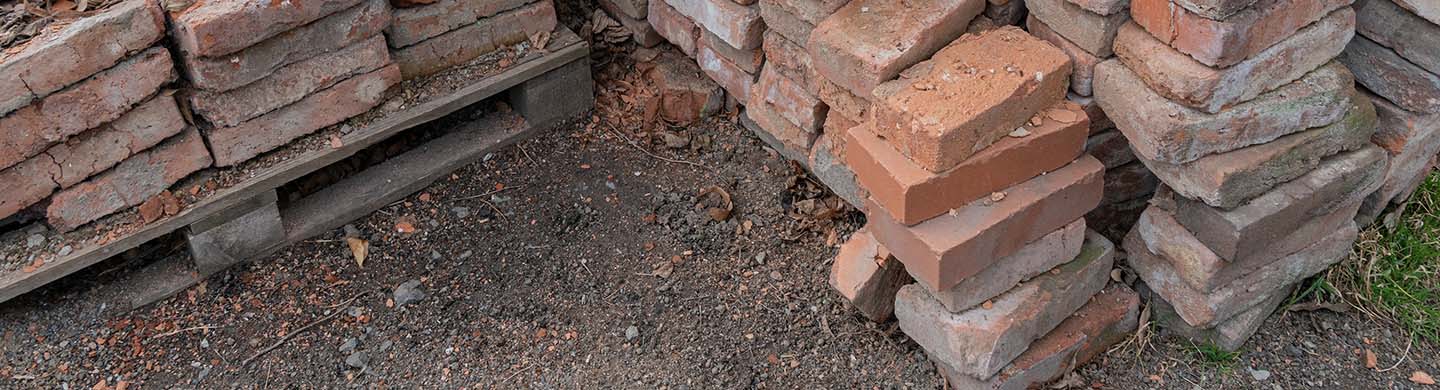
(460, 212)
(408, 292)
(34, 240)
(357, 360)
(1259, 375)
(350, 345)
(65, 251)
(632, 332)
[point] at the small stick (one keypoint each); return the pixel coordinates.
(302, 329)
(647, 152)
(179, 331)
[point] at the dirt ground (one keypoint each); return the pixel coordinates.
(580, 260)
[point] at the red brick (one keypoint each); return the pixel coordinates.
(1408, 138)
(812, 11)
(1036, 257)
(868, 276)
(229, 71)
(747, 60)
(85, 47)
(1180, 78)
(982, 341)
(1203, 270)
(792, 62)
(789, 140)
(779, 20)
(1109, 318)
(129, 183)
(842, 101)
(1103, 7)
(861, 45)
(1162, 130)
(686, 94)
(1427, 10)
(640, 29)
(217, 28)
(1228, 335)
(1340, 180)
(791, 101)
(1090, 31)
(1225, 42)
(1229, 179)
(1206, 310)
(1110, 148)
(290, 83)
(946, 249)
(943, 110)
(734, 79)
(1215, 9)
(674, 26)
(466, 43)
(89, 104)
(233, 145)
(1385, 73)
(413, 25)
(636, 9)
(738, 25)
(1398, 186)
(1083, 63)
(911, 194)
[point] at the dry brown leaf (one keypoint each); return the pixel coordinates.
(1422, 377)
(359, 248)
(1371, 361)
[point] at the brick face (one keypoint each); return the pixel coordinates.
(674, 26)
(412, 25)
(466, 43)
(1083, 68)
(1226, 42)
(129, 183)
(736, 24)
(867, 276)
(290, 83)
(858, 49)
(791, 100)
(233, 145)
(1091, 31)
(126, 28)
(216, 28)
(100, 99)
(1385, 73)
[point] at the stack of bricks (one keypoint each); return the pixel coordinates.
(87, 124)
(632, 15)
(724, 37)
(973, 162)
(264, 74)
(1396, 56)
(1261, 142)
(1085, 30)
(429, 36)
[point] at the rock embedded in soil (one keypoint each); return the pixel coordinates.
(408, 293)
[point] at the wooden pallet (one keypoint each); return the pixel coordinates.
(544, 90)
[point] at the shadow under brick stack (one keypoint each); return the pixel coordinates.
(428, 38)
(977, 187)
(1396, 57)
(1085, 30)
(264, 75)
(82, 137)
(1261, 142)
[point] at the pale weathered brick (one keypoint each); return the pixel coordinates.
(1410, 36)
(233, 145)
(685, 93)
(1228, 335)
(412, 25)
(747, 60)
(229, 71)
(734, 79)
(84, 47)
(1083, 63)
(970, 94)
(636, 9)
(736, 24)
(290, 83)
(1215, 9)
(100, 99)
(792, 62)
(827, 163)
(1036, 257)
(129, 183)
(779, 20)
(841, 100)
(1162, 130)
(466, 43)
(786, 138)
(1088, 30)
(677, 28)
(862, 45)
(216, 28)
(791, 100)
(1103, 7)
(1226, 42)
(1386, 74)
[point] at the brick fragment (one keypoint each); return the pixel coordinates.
(1339, 181)
(861, 45)
(789, 140)
(791, 100)
(229, 71)
(1399, 186)
(1083, 63)
(686, 94)
(747, 60)
(868, 276)
(1180, 78)
(966, 97)
(1409, 35)
(83, 106)
(1228, 335)
(1214, 9)
(1107, 319)
(1225, 42)
(1203, 270)
(1410, 140)
(290, 83)
(129, 183)
(32, 73)
(1385, 73)
(1129, 181)
(946, 249)
(466, 43)
(792, 62)
(1036, 257)
(217, 28)
(1111, 148)
(841, 100)
(413, 25)
(1226, 180)
(674, 26)
(1207, 310)
(981, 341)
(736, 24)
(731, 77)
(1162, 130)
(235, 144)
(1091, 31)
(912, 194)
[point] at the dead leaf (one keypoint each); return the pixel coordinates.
(718, 213)
(1422, 377)
(540, 40)
(359, 248)
(1370, 360)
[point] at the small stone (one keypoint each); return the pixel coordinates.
(350, 345)
(631, 332)
(1259, 375)
(408, 292)
(34, 240)
(1020, 132)
(357, 360)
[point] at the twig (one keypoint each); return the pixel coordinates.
(179, 331)
(491, 192)
(653, 155)
(1403, 355)
(302, 329)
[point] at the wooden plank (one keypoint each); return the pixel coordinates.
(375, 187)
(14, 283)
